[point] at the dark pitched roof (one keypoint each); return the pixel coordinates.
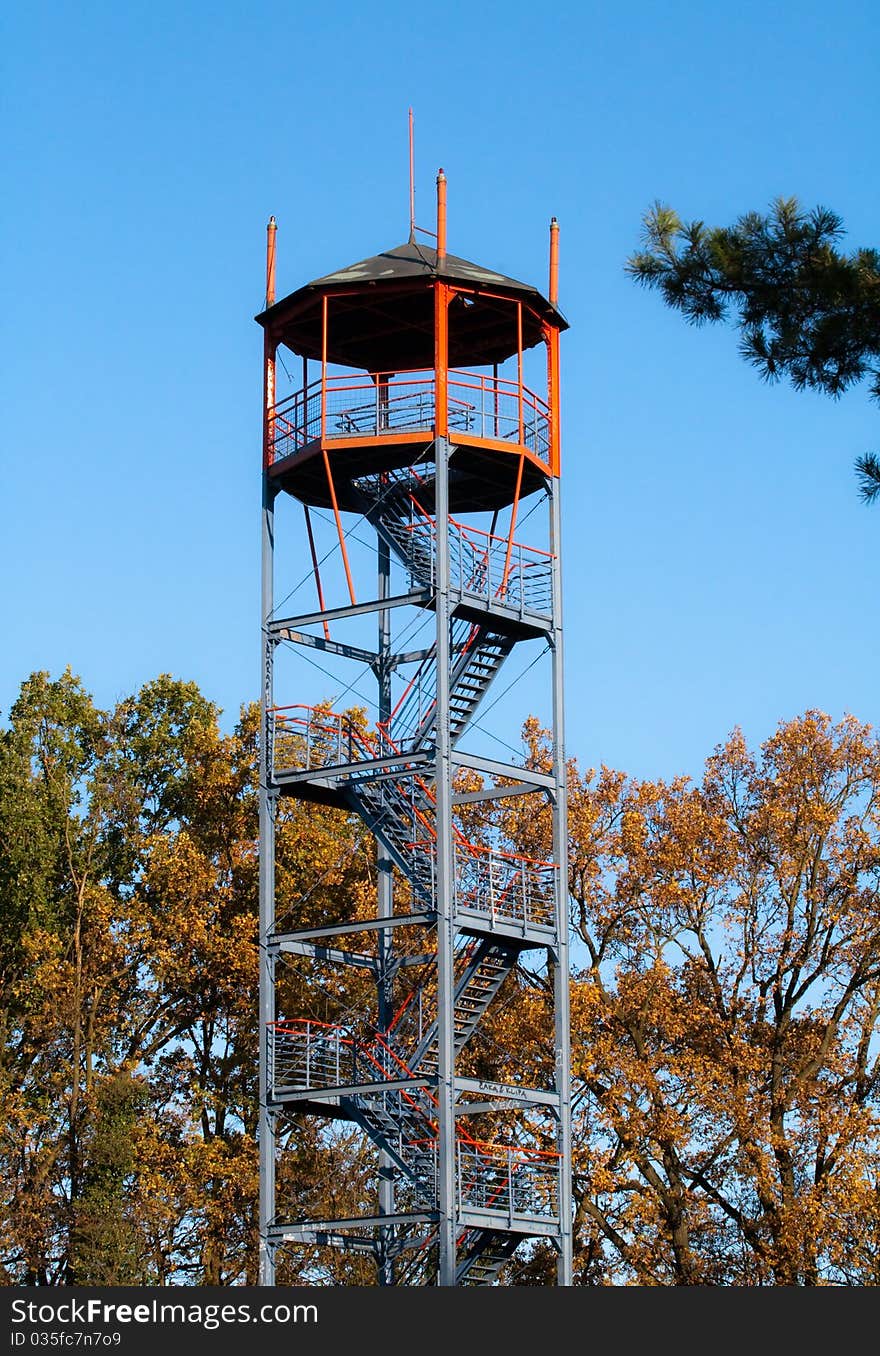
(382, 318)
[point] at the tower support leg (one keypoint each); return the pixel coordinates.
(561, 960)
(267, 805)
(385, 902)
(445, 883)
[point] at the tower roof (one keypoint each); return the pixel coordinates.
(381, 313)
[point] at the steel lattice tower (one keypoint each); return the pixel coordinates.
(414, 421)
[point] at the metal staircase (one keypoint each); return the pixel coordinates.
(482, 1253)
(480, 654)
(489, 965)
(485, 569)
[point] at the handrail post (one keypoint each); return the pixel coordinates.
(324, 368)
(519, 369)
(510, 1184)
(459, 1173)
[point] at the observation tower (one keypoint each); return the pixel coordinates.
(410, 422)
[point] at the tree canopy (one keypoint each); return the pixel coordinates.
(725, 1000)
(804, 309)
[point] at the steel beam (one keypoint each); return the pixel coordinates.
(329, 953)
(373, 767)
(496, 769)
(416, 598)
(283, 1094)
(495, 793)
(385, 968)
(295, 1233)
(535, 1096)
(401, 920)
(328, 646)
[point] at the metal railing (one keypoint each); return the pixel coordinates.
(502, 886)
(519, 1183)
(505, 888)
(487, 407)
(317, 739)
(509, 1180)
(305, 1054)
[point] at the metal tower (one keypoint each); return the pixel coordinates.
(414, 424)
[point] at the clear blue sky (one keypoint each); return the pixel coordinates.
(719, 568)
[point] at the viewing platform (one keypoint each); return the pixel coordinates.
(380, 424)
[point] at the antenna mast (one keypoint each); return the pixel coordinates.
(412, 184)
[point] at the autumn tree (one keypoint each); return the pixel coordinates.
(724, 1003)
(804, 310)
(725, 1016)
(724, 1013)
(128, 891)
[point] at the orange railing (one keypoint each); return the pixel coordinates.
(487, 407)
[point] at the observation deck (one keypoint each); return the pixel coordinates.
(380, 427)
(421, 338)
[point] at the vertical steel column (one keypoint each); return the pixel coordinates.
(267, 804)
(561, 964)
(267, 800)
(445, 883)
(385, 901)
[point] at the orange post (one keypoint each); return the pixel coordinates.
(554, 261)
(339, 530)
(441, 358)
(513, 513)
(270, 262)
(553, 391)
(324, 369)
(269, 353)
(441, 218)
(316, 567)
(519, 368)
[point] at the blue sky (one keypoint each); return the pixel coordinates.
(719, 568)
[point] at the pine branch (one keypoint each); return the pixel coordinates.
(868, 475)
(805, 311)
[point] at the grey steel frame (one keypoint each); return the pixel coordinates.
(446, 761)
